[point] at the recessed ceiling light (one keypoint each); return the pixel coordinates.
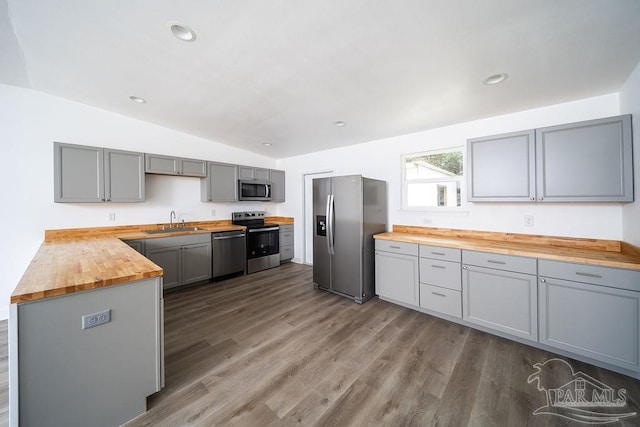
(495, 79)
(339, 123)
(138, 99)
(182, 32)
(267, 144)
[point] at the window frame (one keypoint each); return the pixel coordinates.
(460, 180)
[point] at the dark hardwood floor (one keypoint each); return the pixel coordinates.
(267, 349)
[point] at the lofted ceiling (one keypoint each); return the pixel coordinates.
(284, 71)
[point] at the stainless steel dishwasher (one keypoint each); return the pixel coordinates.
(229, 253)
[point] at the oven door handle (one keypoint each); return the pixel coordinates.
(258, 230)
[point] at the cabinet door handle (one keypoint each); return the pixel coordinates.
(532, 198)
(438, 266)
(464, 267)
(492, 261)
(438, 294)
(437, 253)
(395, 247)
(543, 280)
(540, 198)
(595, 276)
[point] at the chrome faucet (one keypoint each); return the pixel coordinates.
(172, 216)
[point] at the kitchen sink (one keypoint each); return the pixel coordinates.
(172, 230)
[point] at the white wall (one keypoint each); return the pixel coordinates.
(381, 159)
(30, 121)
(630, 103)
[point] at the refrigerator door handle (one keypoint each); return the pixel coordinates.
(330, 224)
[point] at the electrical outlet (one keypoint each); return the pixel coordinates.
(213, 212)
(528, 220)
(427, 221)
(95, 319)
(112, 216)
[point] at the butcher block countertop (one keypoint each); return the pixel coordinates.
(606, 253)
(80, 259)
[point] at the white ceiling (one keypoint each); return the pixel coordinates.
(283, 71)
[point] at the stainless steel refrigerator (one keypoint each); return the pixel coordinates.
(347, 212)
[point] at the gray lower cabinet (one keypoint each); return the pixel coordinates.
(397, 271)
(169, 165)
(184, 259)
(221, 183)
(588, 161)
(67, 375)
(286, 243)
(94, 174)
(277, 185)
(586, 318)
(441, 280)
(138, 245)
(502, 298)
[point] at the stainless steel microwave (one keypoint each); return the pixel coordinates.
(254, 190)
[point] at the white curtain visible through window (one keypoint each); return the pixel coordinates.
(432, 179)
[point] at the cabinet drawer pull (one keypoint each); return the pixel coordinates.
(438, 294)
(496, 262)
(438, 266)
(395, 247)
(595, 276)
(437, 253)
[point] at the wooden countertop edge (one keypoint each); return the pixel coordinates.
(49, 293)
(24, 291)
(629, 254)
(131, 232)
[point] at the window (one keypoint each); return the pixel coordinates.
(432, 179)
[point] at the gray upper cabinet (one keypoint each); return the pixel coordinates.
(249, 172)
(501, 168)
(168, 165)
(221, 183)
(587, 161)
(94, 174)
(277, 186)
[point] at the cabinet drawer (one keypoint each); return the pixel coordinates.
(286, 238)
(438, 252)
(446, 274)
(605, 276)
(500, 262)
(286, 228)
(442, 300)
(397, 247)
(286, 252)
(163, 242)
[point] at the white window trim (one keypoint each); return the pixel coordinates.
(461, 210)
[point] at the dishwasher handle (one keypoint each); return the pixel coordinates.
(229, 237)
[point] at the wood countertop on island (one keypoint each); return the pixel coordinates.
(606, 253)
(64, 267)
(80, 259)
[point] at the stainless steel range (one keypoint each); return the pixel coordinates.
(263, 241)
